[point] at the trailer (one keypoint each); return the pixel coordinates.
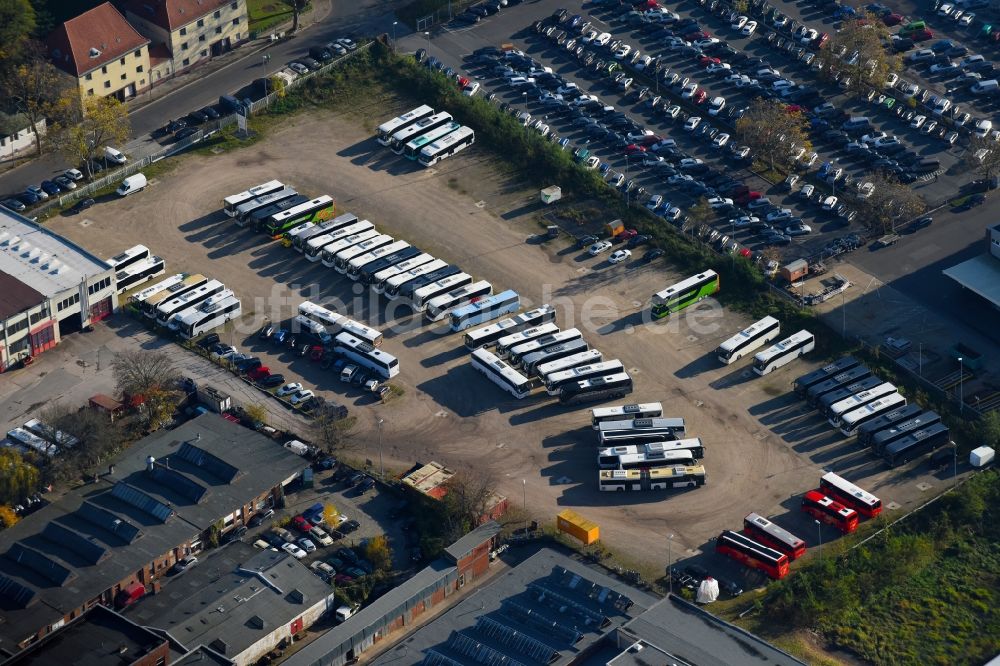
(887, 240)
(550, 194)
(215, 399)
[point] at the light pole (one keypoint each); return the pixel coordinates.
(524, 503)
(670, 558)
(381, 469)
(961, 386)
(394, 35)
(819, 536)
(843, 314)
(427, 41)
(954, 465)
(627, 192)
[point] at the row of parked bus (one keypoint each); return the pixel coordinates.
(640, 449)
(768, 547)
(756, 336)
(39, 437)
(860, 404)
(525, 358)
(189, 305)
(425, 136)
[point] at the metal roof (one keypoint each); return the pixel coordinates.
(980, 275)
(473, 539)
(41, 259)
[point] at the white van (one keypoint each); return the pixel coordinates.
(132, 184)
(115, 155)
(344, 612)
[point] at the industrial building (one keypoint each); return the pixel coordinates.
(49, 287)
(431, 481)
(981, 274)
(110, 542)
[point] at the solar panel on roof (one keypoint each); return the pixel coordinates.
(516, 640)
(536, 620)
(21, 595)
(109, 521)
(590, 616)
(435, 658)
(176, 481)
(480, 652)
(140, 500)
(214, 465)
(39, 563)
(90, 551)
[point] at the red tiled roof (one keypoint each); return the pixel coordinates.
(172, 14)
(93, 39)
(16, 296)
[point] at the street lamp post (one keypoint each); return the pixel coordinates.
(524, 97)
(819, 536)
(381, 469)
(524, 503)
(954, 465)
(961, 386)
(427, 41)
(670, 558)
(394, 35)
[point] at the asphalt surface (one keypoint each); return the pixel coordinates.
(357, 18)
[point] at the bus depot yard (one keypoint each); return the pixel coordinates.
(759, 440)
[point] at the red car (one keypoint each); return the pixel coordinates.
(462, 82)
(259, 373)
(700, 96)
(301, 524)
(892, 19)
(922, 35)
(745, 253)
(628, 234)
(794, 108)
(705, 61)
(633, 149)
(822, 40)
(649, 140)
(695, 36)
(746, 197)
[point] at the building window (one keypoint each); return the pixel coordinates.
(137, 53)
(204, 53)
(124, 77)
(235, 5)
(99, 286)
(184, 31)
(90, 91)
(217, 14)
(139, 69)
(104, 70)
(89, 76)
(218, 30)
(19, 346)
(236, 21)
(107, 84)
(201, 38)
(123, 61)
(184, 46)
(187, 61)
(17, 326)
(201, 23)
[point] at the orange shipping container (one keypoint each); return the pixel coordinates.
(577, 526)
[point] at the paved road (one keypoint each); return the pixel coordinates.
(359, 17)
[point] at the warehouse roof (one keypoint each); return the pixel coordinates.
(980, 275)
(41, 259)
(473, 540)
(98, 535)
(16, 296)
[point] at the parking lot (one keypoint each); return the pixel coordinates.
(763, 450)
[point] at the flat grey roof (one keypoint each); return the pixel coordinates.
(16, 296)
(233, 597)
(468, 543)
(202, 656)
(42, 259)
(700, 638)
(981, 275)
(549, 608)
(96, 638)
(99, 535)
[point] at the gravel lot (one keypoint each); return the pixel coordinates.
(465, 213)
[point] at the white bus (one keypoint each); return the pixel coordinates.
(403, 285)
(485, 310)
(128, 257)
(487, 335)
(367, 272)
(610, 457)
(556, 380)
(414, 147)
(149, 305)
(568, 362)
(441, 305)
(139, 297)
(429, 124)
(302, 324)
(646, 410)
(505, 343)
(329, 254)
(501, 374)
(682, 475)
(303, 233)
(379, 280)
(342, 259)
(245, 210)
(650, 430)
(851, 421)
(387, 129)
(166, 310)
(139, 272)
(422, 296)
(362, 353)
(842, 407)
(337, 323)
(211, 314)
(753, 337)
(518, 351)
(233, 201)
(313, 249)
(784, 352)
(617, 385)
(63, 440)
(447, 146)
(356, 264)
(530, 362)
(33, 441)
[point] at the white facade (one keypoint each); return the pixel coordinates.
(22, 141)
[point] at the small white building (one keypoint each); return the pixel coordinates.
(21, 141)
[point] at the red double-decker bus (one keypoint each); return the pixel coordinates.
(850, 495)
(754, 555)
(764, 531)
(822, 508)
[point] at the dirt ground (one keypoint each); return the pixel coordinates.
(465, 213)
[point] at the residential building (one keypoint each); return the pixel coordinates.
(110, 542)
(14, 142)
(981, 274)
(185, 33)
(49, 287)
(105, 54)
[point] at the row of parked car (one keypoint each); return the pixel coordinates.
(478, 12)
(67, 181)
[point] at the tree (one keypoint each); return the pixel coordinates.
(8, 518)
(139, 372)
(256, 412)
(701, 212)
(330, 514)
(377, 552)
(99, 440)
(329, 432)
(988, 430)
(18, 478)
(104, 122)
(33, 86)
(17, 22)
(857, 52)
(983, 157)
(298, 6)
(890, 204)
(469, 497)
(772, 132)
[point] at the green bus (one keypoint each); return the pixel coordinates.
(684, 293)
(317, 210)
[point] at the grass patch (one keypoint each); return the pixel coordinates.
(230, 138)
(265, 14)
